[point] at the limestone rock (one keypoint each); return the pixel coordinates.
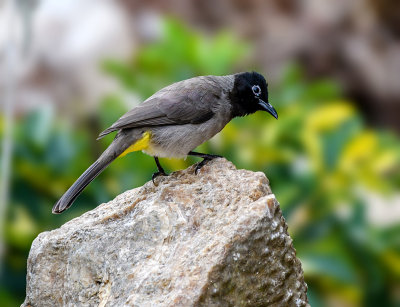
(213, 239)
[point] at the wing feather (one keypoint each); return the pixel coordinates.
(175, 105)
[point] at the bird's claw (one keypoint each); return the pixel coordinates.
(199, 166)
(204, 162)
(155, 175)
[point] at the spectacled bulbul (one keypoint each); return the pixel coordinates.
(177, 119)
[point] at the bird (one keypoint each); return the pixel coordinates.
(175, 120)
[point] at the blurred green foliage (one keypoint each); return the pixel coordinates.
(179, 55)
(321, 159)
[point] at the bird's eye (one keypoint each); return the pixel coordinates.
(256, 90)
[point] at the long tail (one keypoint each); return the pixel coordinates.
(116, 148)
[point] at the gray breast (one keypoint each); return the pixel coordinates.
(177, 140)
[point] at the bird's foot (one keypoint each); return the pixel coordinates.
(160, 172)
(155, 175)
(206, 159)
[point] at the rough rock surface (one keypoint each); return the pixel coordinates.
(213, 239)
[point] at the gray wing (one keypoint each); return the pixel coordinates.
(181, 103)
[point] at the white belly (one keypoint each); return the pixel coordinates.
(177, 141)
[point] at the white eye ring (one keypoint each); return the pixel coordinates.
(256, 90)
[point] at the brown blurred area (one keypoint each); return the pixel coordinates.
(355, 42)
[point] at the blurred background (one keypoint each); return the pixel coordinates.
(70, 68)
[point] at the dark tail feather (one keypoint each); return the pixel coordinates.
(87, 177)
(121, 142)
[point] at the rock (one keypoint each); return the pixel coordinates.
(213, 239)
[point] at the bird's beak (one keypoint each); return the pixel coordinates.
(268, 107)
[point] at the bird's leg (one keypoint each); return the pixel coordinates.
(206, 158)
(160, 171)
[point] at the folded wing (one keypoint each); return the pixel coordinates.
(175, 106)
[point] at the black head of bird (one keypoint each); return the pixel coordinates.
(250, 94)
(177, 119)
